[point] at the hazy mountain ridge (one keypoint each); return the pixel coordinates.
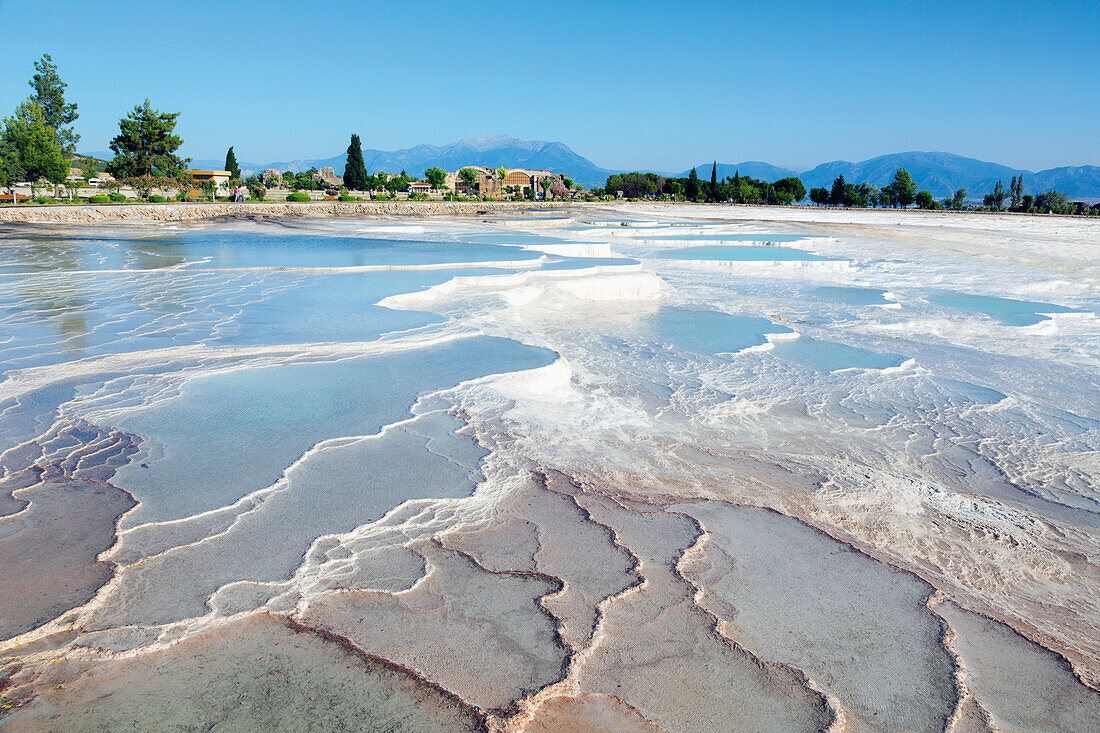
(940, 173)
(487, 150)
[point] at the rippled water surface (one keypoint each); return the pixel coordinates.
(628, 468)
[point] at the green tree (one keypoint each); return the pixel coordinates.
(691, 190)
(1016, 192)
(958, 201)
(1053, 202)
(569, 183)
(819, 196)
(925, 201)
(88, 169)
(146, 145)
(437, 177)
(836, 193)
(11, 167)
(713, 195)
(49, 94)
(468, 176)
(34, 144)
(996, 200)
(789, 189)
(903, 190)
(869, 192)
(545, 184)
(355, 170)
(231, 165)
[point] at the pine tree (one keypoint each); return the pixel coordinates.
(49, 94)
(903, 190)
(31, 148)
(146, 145)
(714, 181)
(692, 190)
(355, 170)
(231, 165)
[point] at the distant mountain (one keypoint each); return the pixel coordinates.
(487, 150)
(940, 173)
(751, 168)
(944, 173)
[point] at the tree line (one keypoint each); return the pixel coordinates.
(902, 191)
(734, 189)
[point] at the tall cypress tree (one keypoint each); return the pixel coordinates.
(231, 165)
(714, 181)
(355, 170)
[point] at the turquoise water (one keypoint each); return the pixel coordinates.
(577, 263)
(728, 237)
(851, 295)
(230, 434)
(976, 392)
(1008, 311)
(707, 332)
(261, 250)
(829, 356)
(737, 253)
(222, 250)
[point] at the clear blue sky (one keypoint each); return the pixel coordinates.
(630, 85)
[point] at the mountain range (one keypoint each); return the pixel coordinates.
(487, 150)
(940, 173)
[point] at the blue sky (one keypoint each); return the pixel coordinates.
(629, 85)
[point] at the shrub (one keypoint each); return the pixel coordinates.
(116, 197)
(99, 198)
(42, 199)
(346, 197)
(298, 196)
(157, 199)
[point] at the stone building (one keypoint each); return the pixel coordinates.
(516, 181)
(327, 176)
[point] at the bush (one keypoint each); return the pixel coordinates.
(116, 197)
(298, 196)
(346, 197)
(42, 199)
(157, 199)
(99, 198)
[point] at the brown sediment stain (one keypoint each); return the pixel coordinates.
(585, 713)
(967, 707)
(721, 629)
(412, 674)
(1084, 666)
(573, 686)
(453, 628)
(255, 671)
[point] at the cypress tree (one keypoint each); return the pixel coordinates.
(231, 165)
(714, 181)
(355, 170)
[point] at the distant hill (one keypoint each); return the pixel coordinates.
(487, 150)
(940, 173)
(751, 168)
